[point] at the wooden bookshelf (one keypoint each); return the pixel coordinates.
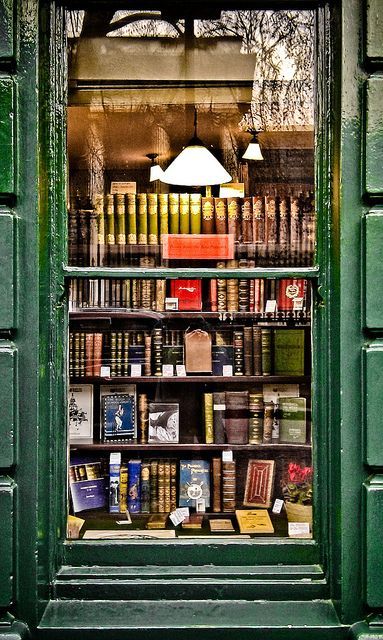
(159, 447)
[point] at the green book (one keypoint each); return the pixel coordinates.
(152, 218)
(289, 352)
(174, 212)
(292, 420)
(142, 218)
(195, 213)
(184, 213)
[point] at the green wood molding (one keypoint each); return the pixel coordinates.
(374, 35)
(373, 498)
(7, 267)
(373, 224)
(6, 29)
(8, 402)
(374, 136)
(6, 535)
(7, 137)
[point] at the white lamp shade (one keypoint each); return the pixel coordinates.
(156, 172)
(195, 166)
(253, 152)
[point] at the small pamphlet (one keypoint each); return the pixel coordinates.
(105, 372)
(135, 370)
(181, 370)
(277, 507)
(297, 304)
(227, 370)
(178, 515)
(271, 306)
(167, 370)
(227, 456)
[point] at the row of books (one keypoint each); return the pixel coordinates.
(241, 350)
(101, 236)
(215, 294)
(275, 414)
(161, 485)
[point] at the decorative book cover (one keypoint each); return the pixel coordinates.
(220, 214)
(290, 289)
(259, 483)
(229, 486)
(195, 213)
(292, 420)
(163, 422)
(88, 494)
(289, 352)
(254, 521)
(246, 221)
(207, 215)
(80, 411)
(184, 213)
(118, 417)
(114, 482)
(118, 389)
(189, 294)
(194, 482)
(134, 486)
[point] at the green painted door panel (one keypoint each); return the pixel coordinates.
(374, 269)
(374, 136)
(373, 417)
(7, 311)
(7, 138)
(6, 537)
(373, 490)
(8, 400)
(6, 29)
(374, 39)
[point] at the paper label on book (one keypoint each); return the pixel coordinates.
(227, 370)
(297, 304)
(299, 529)
(219, 407)
(271, 306)
(227, 456)
(179, 515)
(171, 304)
(277, 507)
(105, 372)
(167, 370)
(200, 505)
(135, 370)
(181, 370)
(123, 187)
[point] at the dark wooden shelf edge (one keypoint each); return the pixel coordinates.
(157, 447)
(200, 379)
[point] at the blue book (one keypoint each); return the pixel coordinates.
(134, 486)
(194, 482)
(221, 355)
(88, 494)
(114, 482)
(118, 411)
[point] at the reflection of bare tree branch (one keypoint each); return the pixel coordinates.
(140, 16)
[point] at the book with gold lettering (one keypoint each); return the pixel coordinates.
(163, 210)
(142, 218)
(220, 214)
(131, 218)
(254, 521)
(174, 212)
(152, 218)
(184, 213)
(195, 213)
(207, 215)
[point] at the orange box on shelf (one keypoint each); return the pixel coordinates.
(207, 246)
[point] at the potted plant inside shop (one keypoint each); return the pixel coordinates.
(298, 493)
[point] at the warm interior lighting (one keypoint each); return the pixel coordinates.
(253, 151)
(195, 166)
(156, 172)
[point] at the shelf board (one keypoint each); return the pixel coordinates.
(189, 272)
(157, 447)
(198, 379)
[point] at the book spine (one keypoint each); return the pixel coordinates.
(174, 213)
(71, 354)
(157, 343)
(160, 295)
(283, 239)
(238, 352)
(119, 354)
(161, 485)
(255, 418)
(173, 485)
(76, 355)
(248, 350)
(184, 213)
(163, 206)
(73, 238)
(275, 427)
(123, 488)
(213, 294)
(243, 293)
(294, 229)
(221, 290)
(259, 295)
(114, 482)
(97, 354)
(153, 218)
(113, 354)
(125, 355)
(217, 481)
(154, 486)
(257, 351)
(246, 220)
(207, 204)
(83, 237)
(142, 217)
(268, 419)
(146, 294)
(82, 354)
(99, 209)
(134, 486)
(237, 417)
(121, 230)
(228, 486)
(271, 225)
(195, 213)
(219, 407)
(110, 230)
(258, 219)
(234, 217)
(220, 215)
(148, 356)
(89, 355)
(167, 500)
(232, 293)
(131, 213)
(266, 351)
(93, 239)
(208, 417)
(145, 487)
(143, 418)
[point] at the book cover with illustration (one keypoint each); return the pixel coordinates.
(194, 482)
(163, 422)
(118, 411)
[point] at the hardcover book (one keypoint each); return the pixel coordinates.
(194, 482)
(163, 422)
(229, 486)
(134, 486)
(217, 484)
(237, 417)
(118, 412)
(114, 482)
(259, 483)
(88, 494)
(290, 289)
(292, 420)
(221, 525)
(221, 357)
(289, 352)
(189, 294)
(219, 407)
(254, 521)
(80, 411)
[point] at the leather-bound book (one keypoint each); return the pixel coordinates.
(266, 351)
(219, 407)
(143, 418)
(145, 487)
(173, 485)
(195, 213)
(184, 213)
(110, 230)
(208, 418)
(163, 209)
(217, 484)
(160, 295)
(259, 295)
(271, 221)
(234, 217)
(207, 214)
(73, 238)
(238, 352)
(93, 239)
(220, 215)
(237, 417)
(99, 209)
(142, 218)
(131, 218)
(257, 351)
(284, 230)
(89, 354)
(258, 203)
(148, 356)
(82, 354)
(120, 227)
(97, 354)
(83, 237)
(119, 354)
(255, 418)
(157, 343)
(213, 295)
(174, 212)
(152, 218)
(125, 354)
(243, 294)
(228, 486)
(248, 350)
(221, 290)
(71, 354)
(154, 486)
(167, 485)
(76, 354)
(161, 485)
(246, 220)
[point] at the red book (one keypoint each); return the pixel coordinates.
(213, 295)
(89, 354)
(288, 290)
(189, 294)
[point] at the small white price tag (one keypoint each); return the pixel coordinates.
(278, 504)
(227, 370)
(167, 370)
(227, 456)
(181, 371)
(271, 306)
(200, 505)
(135, 370)
(179, 515)
(299, 530)
(171, 304)
(105, 372)
(297, 304)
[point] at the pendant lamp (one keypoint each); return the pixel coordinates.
(253, 151)
(156, 172)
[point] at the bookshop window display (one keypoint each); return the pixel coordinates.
(191, 233)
